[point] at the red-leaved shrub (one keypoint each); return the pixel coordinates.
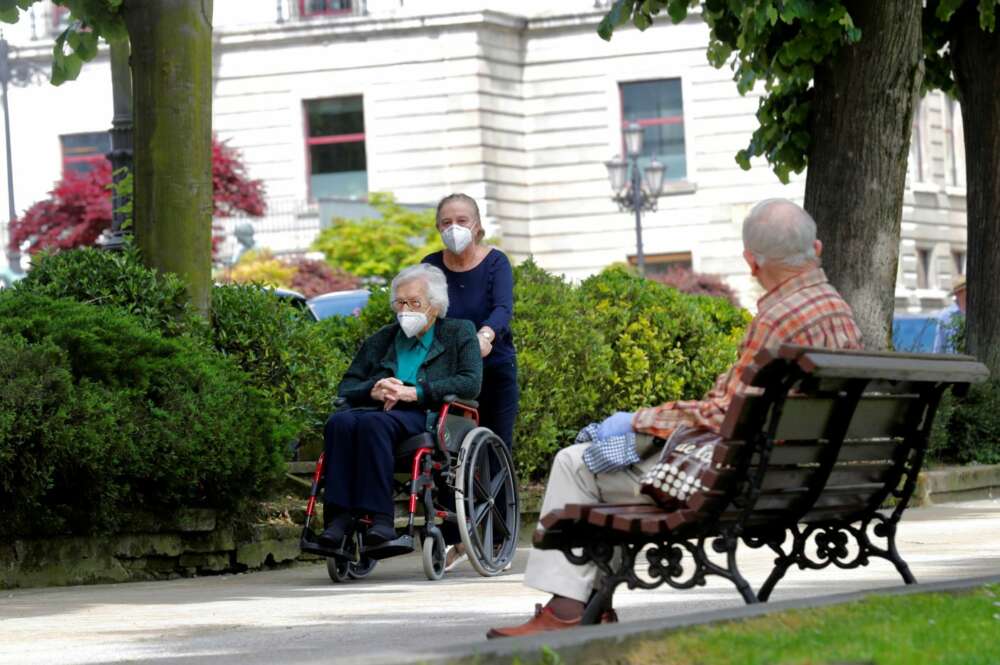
(78, 209)
(696, 283)
(315, 277)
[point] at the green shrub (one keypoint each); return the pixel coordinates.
(967, 429)
(296, 362)
(665, 345)
(563, 364)
(380, 247)
(100, 414)
(118, 279)
(615, 343)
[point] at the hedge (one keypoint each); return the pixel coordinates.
(100, 414)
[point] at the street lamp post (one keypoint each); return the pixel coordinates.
(634, 188)
(19, 72)
(121, 141)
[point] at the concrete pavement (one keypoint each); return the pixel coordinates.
(298, 616)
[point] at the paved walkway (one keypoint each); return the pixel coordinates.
(298, 616)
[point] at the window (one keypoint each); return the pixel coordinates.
(324, 7)
(661, 264)
(82, 152)
(335, 144)
(657, 107)
(924, 269)
(958, 259)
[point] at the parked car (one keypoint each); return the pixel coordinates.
(338, 303)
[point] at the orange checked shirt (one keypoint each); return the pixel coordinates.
(804, 310)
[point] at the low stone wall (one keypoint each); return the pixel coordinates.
(194, 542)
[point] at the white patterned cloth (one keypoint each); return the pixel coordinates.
(609, 453)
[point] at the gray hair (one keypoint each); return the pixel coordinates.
(433, 278)
(780, 231)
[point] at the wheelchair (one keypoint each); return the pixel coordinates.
(456, 473)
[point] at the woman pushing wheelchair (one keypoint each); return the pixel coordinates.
(398, 379)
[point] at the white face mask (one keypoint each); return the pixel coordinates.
(412, 322)
(456, 238)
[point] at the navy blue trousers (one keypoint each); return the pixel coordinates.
(498, 399)
(359, 456)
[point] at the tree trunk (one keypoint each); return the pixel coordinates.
(172, 83)
(975, 56)
(861, 118)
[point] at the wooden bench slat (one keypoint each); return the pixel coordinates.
(802, 452)
(808, 418)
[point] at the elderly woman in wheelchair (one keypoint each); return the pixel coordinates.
(406, 405)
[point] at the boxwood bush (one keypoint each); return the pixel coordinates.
(616, 342)
(100, 414)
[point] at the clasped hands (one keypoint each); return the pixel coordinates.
(391, 390)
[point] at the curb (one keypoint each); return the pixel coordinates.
(957, 483)
(572, 644)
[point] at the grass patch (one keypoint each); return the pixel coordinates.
(960, 628)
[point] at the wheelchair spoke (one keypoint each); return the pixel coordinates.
(480, 512)
(488, 552)
(498, 483)
(501, 520)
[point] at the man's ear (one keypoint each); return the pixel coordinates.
(818, 246)
(751, 261)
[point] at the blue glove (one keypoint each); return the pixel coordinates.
(616, 425)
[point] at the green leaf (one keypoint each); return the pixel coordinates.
(86, 46)
(678, 10)
(642, 20)
(948, 7)
(987, 14)
(8, 15)
(743, 159)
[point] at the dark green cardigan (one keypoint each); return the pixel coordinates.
(453, 365)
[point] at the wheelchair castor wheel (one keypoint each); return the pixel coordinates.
(434, 555)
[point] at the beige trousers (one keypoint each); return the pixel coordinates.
(572, 482)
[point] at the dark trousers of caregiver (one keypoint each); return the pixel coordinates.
(498, 400)
(359, 455)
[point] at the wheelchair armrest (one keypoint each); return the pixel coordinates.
(454, 399)
(340, 404)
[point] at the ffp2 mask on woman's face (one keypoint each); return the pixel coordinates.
(412, 322)
(456, 238)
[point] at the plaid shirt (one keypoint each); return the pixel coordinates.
(804, 310)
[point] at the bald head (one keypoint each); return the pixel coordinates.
(778, 231)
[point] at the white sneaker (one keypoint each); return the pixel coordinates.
(458, 560)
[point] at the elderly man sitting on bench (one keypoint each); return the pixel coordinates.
(800, 307)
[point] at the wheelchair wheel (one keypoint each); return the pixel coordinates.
(434, 556)
(486, 502)
(361, 569)
(338, 569)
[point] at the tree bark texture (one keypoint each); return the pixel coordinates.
(172, 84)
(861, 123)
(975, 56)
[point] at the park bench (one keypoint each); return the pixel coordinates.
(820, 466)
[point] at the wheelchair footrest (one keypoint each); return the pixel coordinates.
(310, 543)
(401, 545)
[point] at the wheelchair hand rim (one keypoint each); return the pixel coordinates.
(479, 501)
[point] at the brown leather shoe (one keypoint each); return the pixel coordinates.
(543, 621)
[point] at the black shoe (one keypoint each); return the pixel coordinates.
(381, 531)
(333, 536)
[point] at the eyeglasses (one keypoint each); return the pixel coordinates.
(415, 304)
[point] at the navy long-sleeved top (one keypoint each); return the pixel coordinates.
(485, 296)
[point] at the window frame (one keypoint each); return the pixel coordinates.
(329, 139)
(305, 13)
(670, 259)
(682, 119)
(94, 158)
(925, 270)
